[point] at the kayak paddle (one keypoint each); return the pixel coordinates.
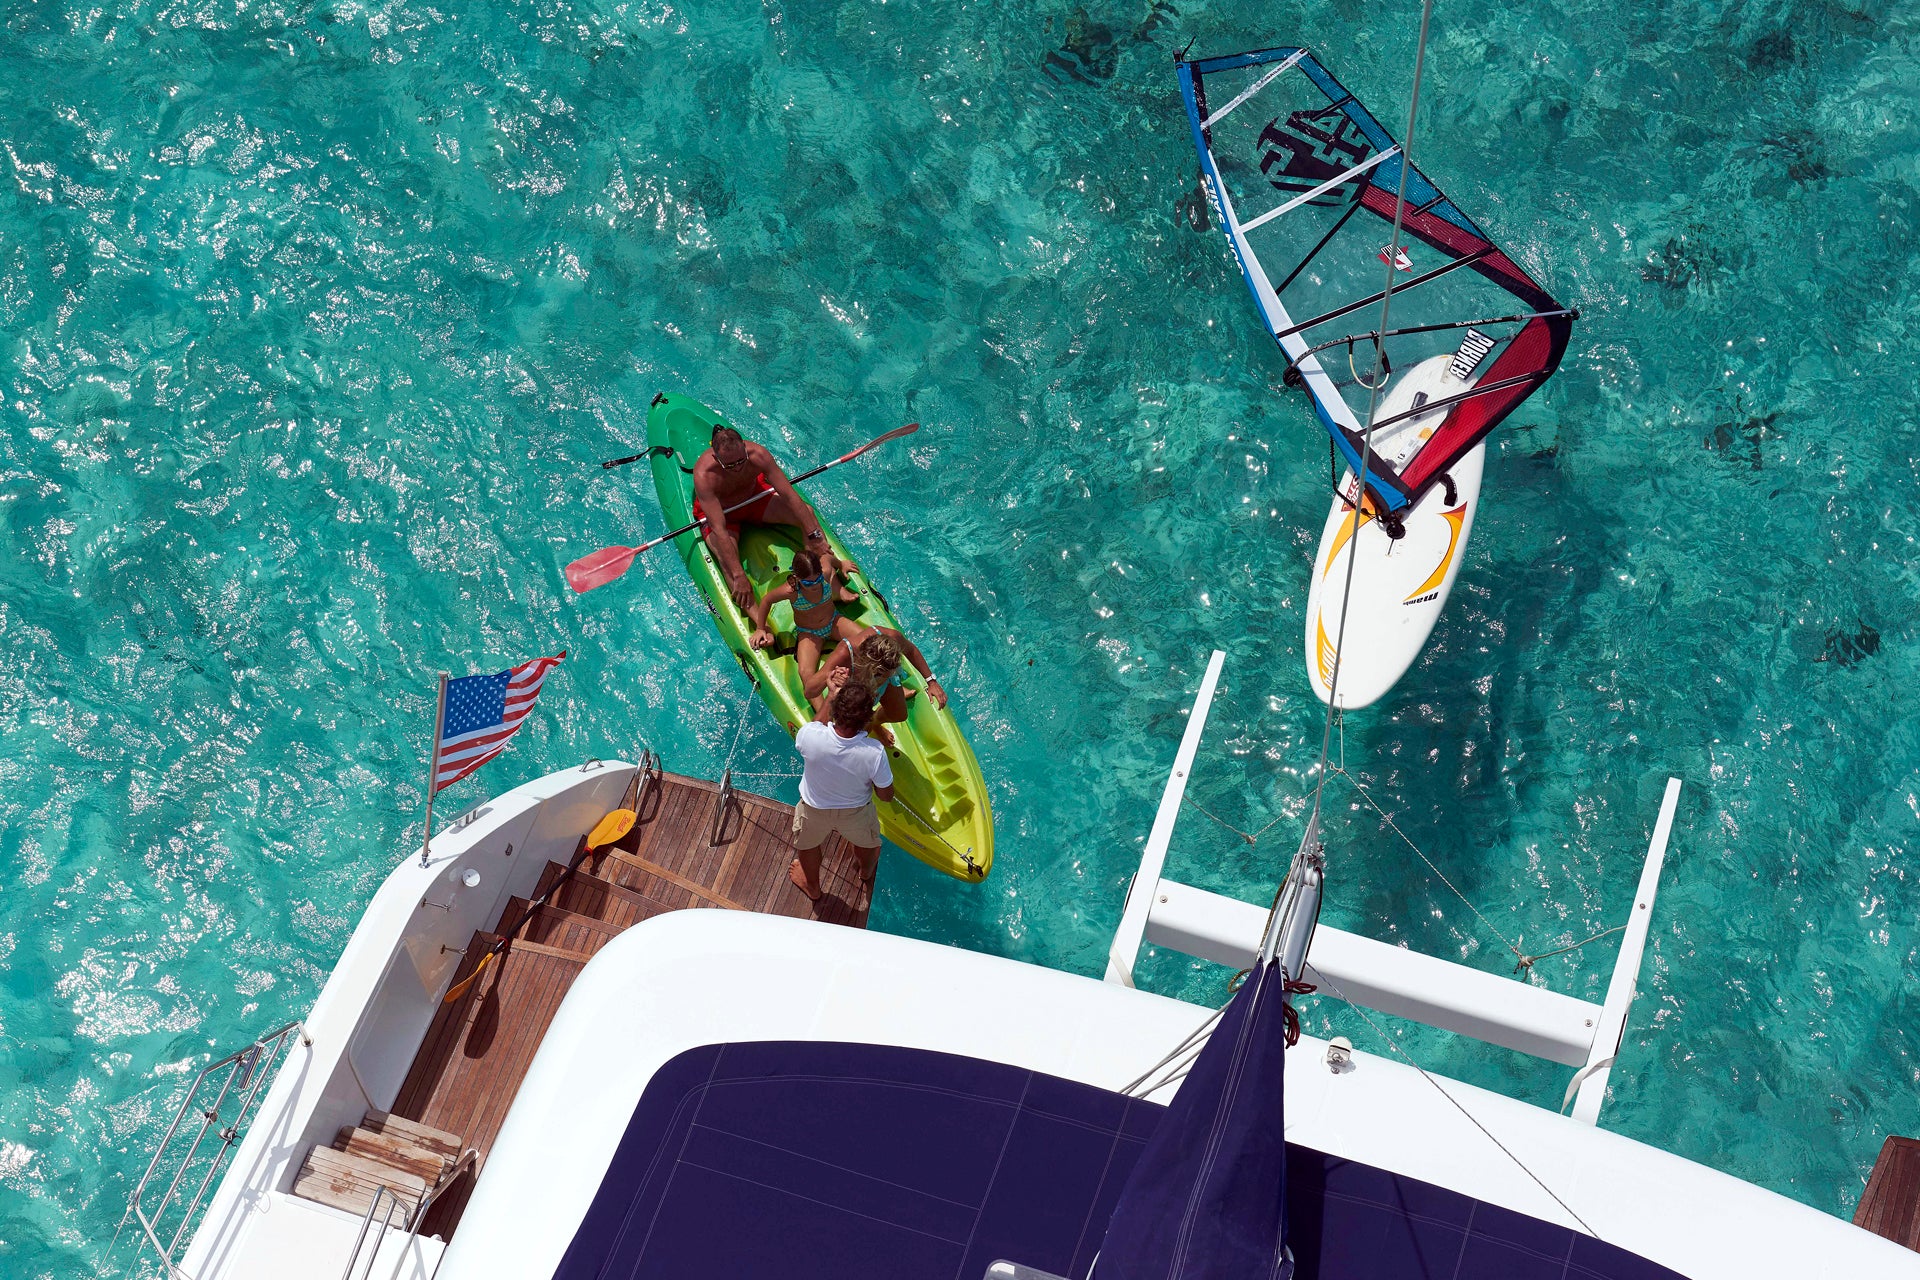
(598, 568)
(605, 832)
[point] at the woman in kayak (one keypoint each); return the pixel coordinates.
(815, 622)
(872, 657)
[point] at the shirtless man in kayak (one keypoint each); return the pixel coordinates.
(733, 469)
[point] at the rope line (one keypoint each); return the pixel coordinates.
(1395, 1045)
(1604, 933)
(1250, 839)
(746, 713)
(1373, 410)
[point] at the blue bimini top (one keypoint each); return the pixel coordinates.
(830, 1161)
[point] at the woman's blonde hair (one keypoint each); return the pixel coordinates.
(875, 661)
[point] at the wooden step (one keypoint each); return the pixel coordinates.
(572, 932)
(477, 1049)
(1890, 1206)
(347, 1181)
(394, 1152)
(590, 895)
(439, 1141)
(569, 930)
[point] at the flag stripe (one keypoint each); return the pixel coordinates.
(447, 778)
(459, 754)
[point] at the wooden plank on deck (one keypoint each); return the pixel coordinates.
(1891, 1205)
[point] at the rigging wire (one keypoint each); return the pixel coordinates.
(1526, 961)
(1395, 1045)
(1333, 684)
(1187, 1049)
(1523, 961)
(1373, 408)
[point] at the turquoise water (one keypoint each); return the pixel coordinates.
(317, 317)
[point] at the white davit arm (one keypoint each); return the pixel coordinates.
(1589, 1087)
(1146, 881)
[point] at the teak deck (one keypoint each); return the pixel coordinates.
(1890, 1206)
(684, 852)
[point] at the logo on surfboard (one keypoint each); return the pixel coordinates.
(1431, 587)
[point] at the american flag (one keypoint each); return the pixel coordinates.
(480, 713)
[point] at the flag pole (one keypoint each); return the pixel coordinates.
(433, 764)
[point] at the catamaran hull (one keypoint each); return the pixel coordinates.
(1399, 587)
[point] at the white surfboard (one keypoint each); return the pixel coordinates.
(1399, 585)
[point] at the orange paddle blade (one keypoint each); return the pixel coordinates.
(598, 568)
(460, 988)
(610, 828)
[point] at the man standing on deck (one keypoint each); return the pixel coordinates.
(845, 770)
(733, 469)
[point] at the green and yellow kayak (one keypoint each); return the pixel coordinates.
(940, 813)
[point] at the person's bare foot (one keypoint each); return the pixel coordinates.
(797, 874)
(882, 733)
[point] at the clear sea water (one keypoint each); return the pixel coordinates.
(315, 318)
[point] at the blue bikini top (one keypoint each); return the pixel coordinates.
(800, 601)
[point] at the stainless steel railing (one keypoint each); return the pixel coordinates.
(225, 1106)
(385, 1201)
(409, 1222)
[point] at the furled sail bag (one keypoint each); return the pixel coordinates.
(1207, 1200)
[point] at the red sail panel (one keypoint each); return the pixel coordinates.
(1536, 349)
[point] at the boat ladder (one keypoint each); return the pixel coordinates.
(223, 1095)
(379, 1220)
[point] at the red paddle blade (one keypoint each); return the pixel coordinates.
(598, 568)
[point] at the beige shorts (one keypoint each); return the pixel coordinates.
(812, 826)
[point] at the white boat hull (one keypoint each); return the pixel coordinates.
(1399, 585)
(650, 994)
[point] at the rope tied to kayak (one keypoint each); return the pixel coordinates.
(746, 711)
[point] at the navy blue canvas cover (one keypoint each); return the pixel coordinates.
(831, 1161)
(1207, 1199)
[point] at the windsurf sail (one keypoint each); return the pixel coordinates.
(1306, 181)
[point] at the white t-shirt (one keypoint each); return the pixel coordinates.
(840, 772)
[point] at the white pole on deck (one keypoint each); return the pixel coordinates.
(433, 764)
(1146, 881)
